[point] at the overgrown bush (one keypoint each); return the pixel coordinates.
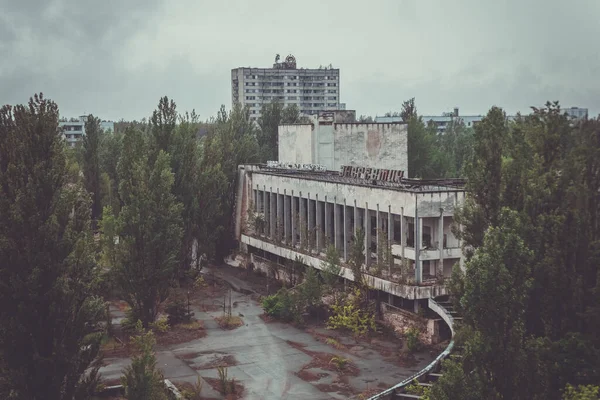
(348, 314)
(226, 385)
(178, 313)
(142, 380)
(160, 326)
(282, 305)
(416, 389)
(413, 342)
(195, 392)
(340, 363)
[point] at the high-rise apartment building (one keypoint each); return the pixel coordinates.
(312, 90)
(74, 129)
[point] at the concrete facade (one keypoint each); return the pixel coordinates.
(74, 129)
(334, 139)
(304, 211)
(312, 90)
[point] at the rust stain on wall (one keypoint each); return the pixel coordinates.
(373, 143)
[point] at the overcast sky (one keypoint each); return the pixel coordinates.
(115, 58)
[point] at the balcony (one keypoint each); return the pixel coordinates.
(397, 280)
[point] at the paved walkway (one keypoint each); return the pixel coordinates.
(266, 363)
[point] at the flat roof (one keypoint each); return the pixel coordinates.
(405, 185)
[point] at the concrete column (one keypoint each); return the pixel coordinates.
(256, 199)
(326, 222)
(294, 211)
(302, 212)
(440, 270)
(355, 218)
(266, 212)
(418, 239)
(279, 219)
(286, 216)
(345, 237)
(378, 228)
(367, 228)
(309, 221)
(336, 222)
(319, 224)
(390, 235)
(402, 233)
(273, 213)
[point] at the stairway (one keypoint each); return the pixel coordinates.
(436, 372)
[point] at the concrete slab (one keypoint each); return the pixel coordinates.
(266, 362)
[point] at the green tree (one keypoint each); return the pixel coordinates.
(48, 310)
(271, 116)
(357, 258)
(230, 142)
(185, 163)
(111, 146)
(331, 267)
(142, 380)
(545, 171)
(150, 228)
(91, 163)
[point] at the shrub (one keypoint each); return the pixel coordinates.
(142, 380)
(130, 321)
(200, 282)
(416, 389)
(227, 385)
(194, 393)
(412, 339)
(282, 305)
(333, 342)
(339, 362)
(347, 314)
(229, 321)
(160, 326)
(178, 313)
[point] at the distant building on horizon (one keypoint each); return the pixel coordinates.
(575, 112)
(74, 129)
(441, 121)
(310, 89)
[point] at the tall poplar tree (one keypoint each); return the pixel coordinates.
(150, 227)
(91, 163)
(48, 311)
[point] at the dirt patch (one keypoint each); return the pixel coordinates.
(340, 388)
(186, 386)
(238, 392)
(229, 322)
(181, 333)
(117, 347)
(369, 393)
(224, 361)
(310, 376)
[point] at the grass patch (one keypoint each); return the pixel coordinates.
(229, 322)
(191, 326)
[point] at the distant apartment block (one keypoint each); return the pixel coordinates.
(74, 129)
(311, 90)
(575, 112)
(441, 122)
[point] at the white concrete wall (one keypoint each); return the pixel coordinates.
(296, 144)
(371, 145)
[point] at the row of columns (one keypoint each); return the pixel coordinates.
(331, 223)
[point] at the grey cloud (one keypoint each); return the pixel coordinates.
(116, 58)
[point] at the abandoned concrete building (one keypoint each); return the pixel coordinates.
(293, 209)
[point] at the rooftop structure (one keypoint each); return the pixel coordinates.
(334, 138)
(312, 90)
